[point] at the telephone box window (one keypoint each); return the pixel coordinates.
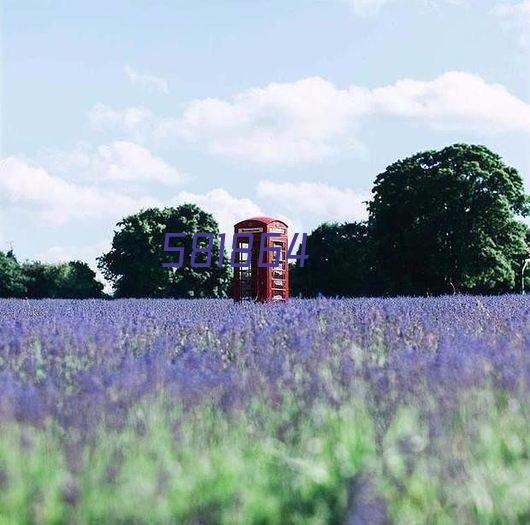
(243, 255)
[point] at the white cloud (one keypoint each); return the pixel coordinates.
(280, 123)
(58, 201)
(49, 198)
(128, 120)
(315, 201)
(126, 161)
(311, 119)
(516, 17)
(292, 122)
(226, 209)
(454, 100)
(147, 80)
(119, 161)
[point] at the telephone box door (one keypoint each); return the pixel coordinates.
(261, 279)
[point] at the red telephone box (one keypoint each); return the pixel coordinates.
(261, 283)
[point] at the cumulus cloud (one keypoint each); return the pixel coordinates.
(226, 208)
(315, 200)
(147, 80)
(311, 119)
(454, 100)
(119, 161)
(291, 122)
(126, 161)
(56, 200)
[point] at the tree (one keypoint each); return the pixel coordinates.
(79, 282)
(42, 279)
(70, 280)
(446, 220)
(12, 279)
(337, 264)
(134, 263)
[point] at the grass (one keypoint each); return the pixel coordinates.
(259, 467)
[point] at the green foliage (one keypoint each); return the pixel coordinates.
(80, 282)
(71, 280)
(445, 221)
(31, 477)
(473, 470)
(12, 279)
(338, 262)
(210, 468)
(43, 279)
(36, 280)
(272, 465)
(134, 263)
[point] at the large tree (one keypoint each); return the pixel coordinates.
(134, 263)
(12, 278)
(337, 264)
(446, 220)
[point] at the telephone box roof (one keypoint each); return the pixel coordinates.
(263, 220)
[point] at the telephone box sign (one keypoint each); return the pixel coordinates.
(261, 272)
(250, 230)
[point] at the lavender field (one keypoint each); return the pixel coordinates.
(314, 411)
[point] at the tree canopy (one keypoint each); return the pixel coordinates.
(134, 263)
(443, 221)
(36, 280)
(338, 262)
(12, 278)
(69, 280)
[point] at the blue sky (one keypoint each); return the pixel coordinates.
(288, 108)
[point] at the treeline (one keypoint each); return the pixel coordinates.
(36, 280)
(439, 222)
